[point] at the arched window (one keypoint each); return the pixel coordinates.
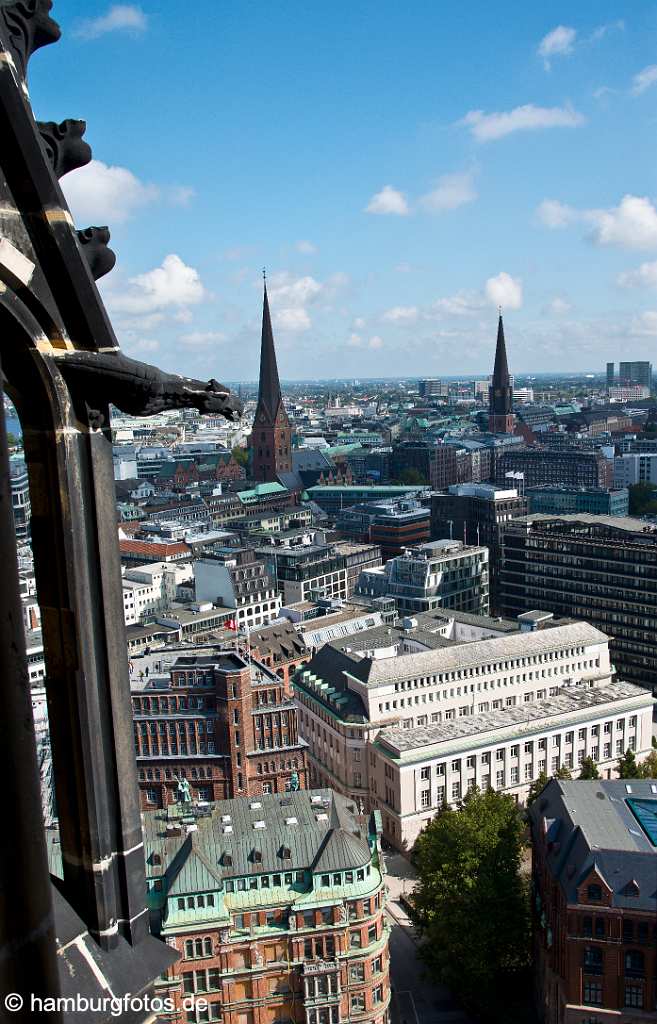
(207, 947)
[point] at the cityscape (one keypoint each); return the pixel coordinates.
(329, 696)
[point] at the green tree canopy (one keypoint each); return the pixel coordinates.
(536, 787)
(627, 767)
(468, 862)
(562, 773)
(241, 456)
(589, 769)
(412, 476)
(643, 498)
(648, 768)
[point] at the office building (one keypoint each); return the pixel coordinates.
(628, 393)
(270, 443)
(638, 372)
(594, 865)
(411, 717)
(610, 374)
(333, 498)
(305, 571)
(635, 468)
(598, 568)
(392, 524)
(20, 498)
(566, 467)
(221, 720)
(555, 500)
(273, 908)
(235, 579)
(433, 388)
(440, 574)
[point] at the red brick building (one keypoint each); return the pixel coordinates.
(595, 901)
(281, 649)
(276, 907)
(270, 444)
(227, 726)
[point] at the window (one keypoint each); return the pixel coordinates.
(635, 964)
(593, 960)
(587, 927)
(634, 995)
(425, 798)
(358, 1003)
(592, 993)
(425, 773)
(456, 766)
(594, 893)
(355, 940)
(357, 972)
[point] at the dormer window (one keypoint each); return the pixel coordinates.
(285, 853)
(594, 893)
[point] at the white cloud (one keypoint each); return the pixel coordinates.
(119, 18)
(198, 339)
(557, 43)
(137, 346)
(486, 127)
(292, 319)
(451, 191)
(558, 306)
(305, 247)
(101, 194)
(602, 91)
(375, 343)
(463, 303)
(388, 200)
(644, 79)
(504, 290)
(554, 214)
(180, 195)
(283, 288)
(644, 276)
(401, 314)
(632, 224)
(645, 323)
(171, 284)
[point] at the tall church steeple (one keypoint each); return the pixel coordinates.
(271, 439)
(500, 404)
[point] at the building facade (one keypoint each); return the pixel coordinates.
(236, 579)
(635, 468)
(594, 901)
(276, 908)
(224, 722)
(440, 574)
(270, 444)
(409, 718)
(598, 568)
(555, 500)
(562, 467)
(394, 524)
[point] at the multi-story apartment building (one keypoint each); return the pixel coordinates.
(276, 907)
(151, 589)
(222, 721)
(433, 388)
(635, 468)
(556, 500)
(602, 569)
(441, 574)
(410, 718)
(548, 466)
(234, 578)
(357, 557)
(595, 902)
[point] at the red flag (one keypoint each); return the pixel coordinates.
(231, 624)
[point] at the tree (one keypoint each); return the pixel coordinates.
(589, 769)
(12, 440)
(468, 863)
(412, 476)
(241, 456)
(648, 768)
(627, 767)
(536, 787)
(643, 498)
(562, 773)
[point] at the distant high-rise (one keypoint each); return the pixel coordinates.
(500, 416)
(271, 438)
(637, 372)
(610, 374)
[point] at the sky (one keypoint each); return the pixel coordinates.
(401, 170)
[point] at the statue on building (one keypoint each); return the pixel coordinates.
(184, 792)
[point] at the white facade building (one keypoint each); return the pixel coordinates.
(151, 589)
(413, 717)
(635, 469)
(241, 583)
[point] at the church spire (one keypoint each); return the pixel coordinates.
(269, 389)
(500, 406)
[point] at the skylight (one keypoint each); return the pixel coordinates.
(645, 812)
(259, 824)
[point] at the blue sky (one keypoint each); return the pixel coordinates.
(399, 169)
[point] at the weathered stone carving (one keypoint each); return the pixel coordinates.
(140, 389)
(29, 27)
(99, 256)
(65, 147)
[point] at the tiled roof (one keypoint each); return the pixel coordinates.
(157, 552)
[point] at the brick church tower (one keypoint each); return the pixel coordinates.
(500, 410)
(270, 444)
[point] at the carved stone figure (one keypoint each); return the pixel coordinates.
(184, 792)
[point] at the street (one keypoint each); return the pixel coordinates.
(416, 999)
